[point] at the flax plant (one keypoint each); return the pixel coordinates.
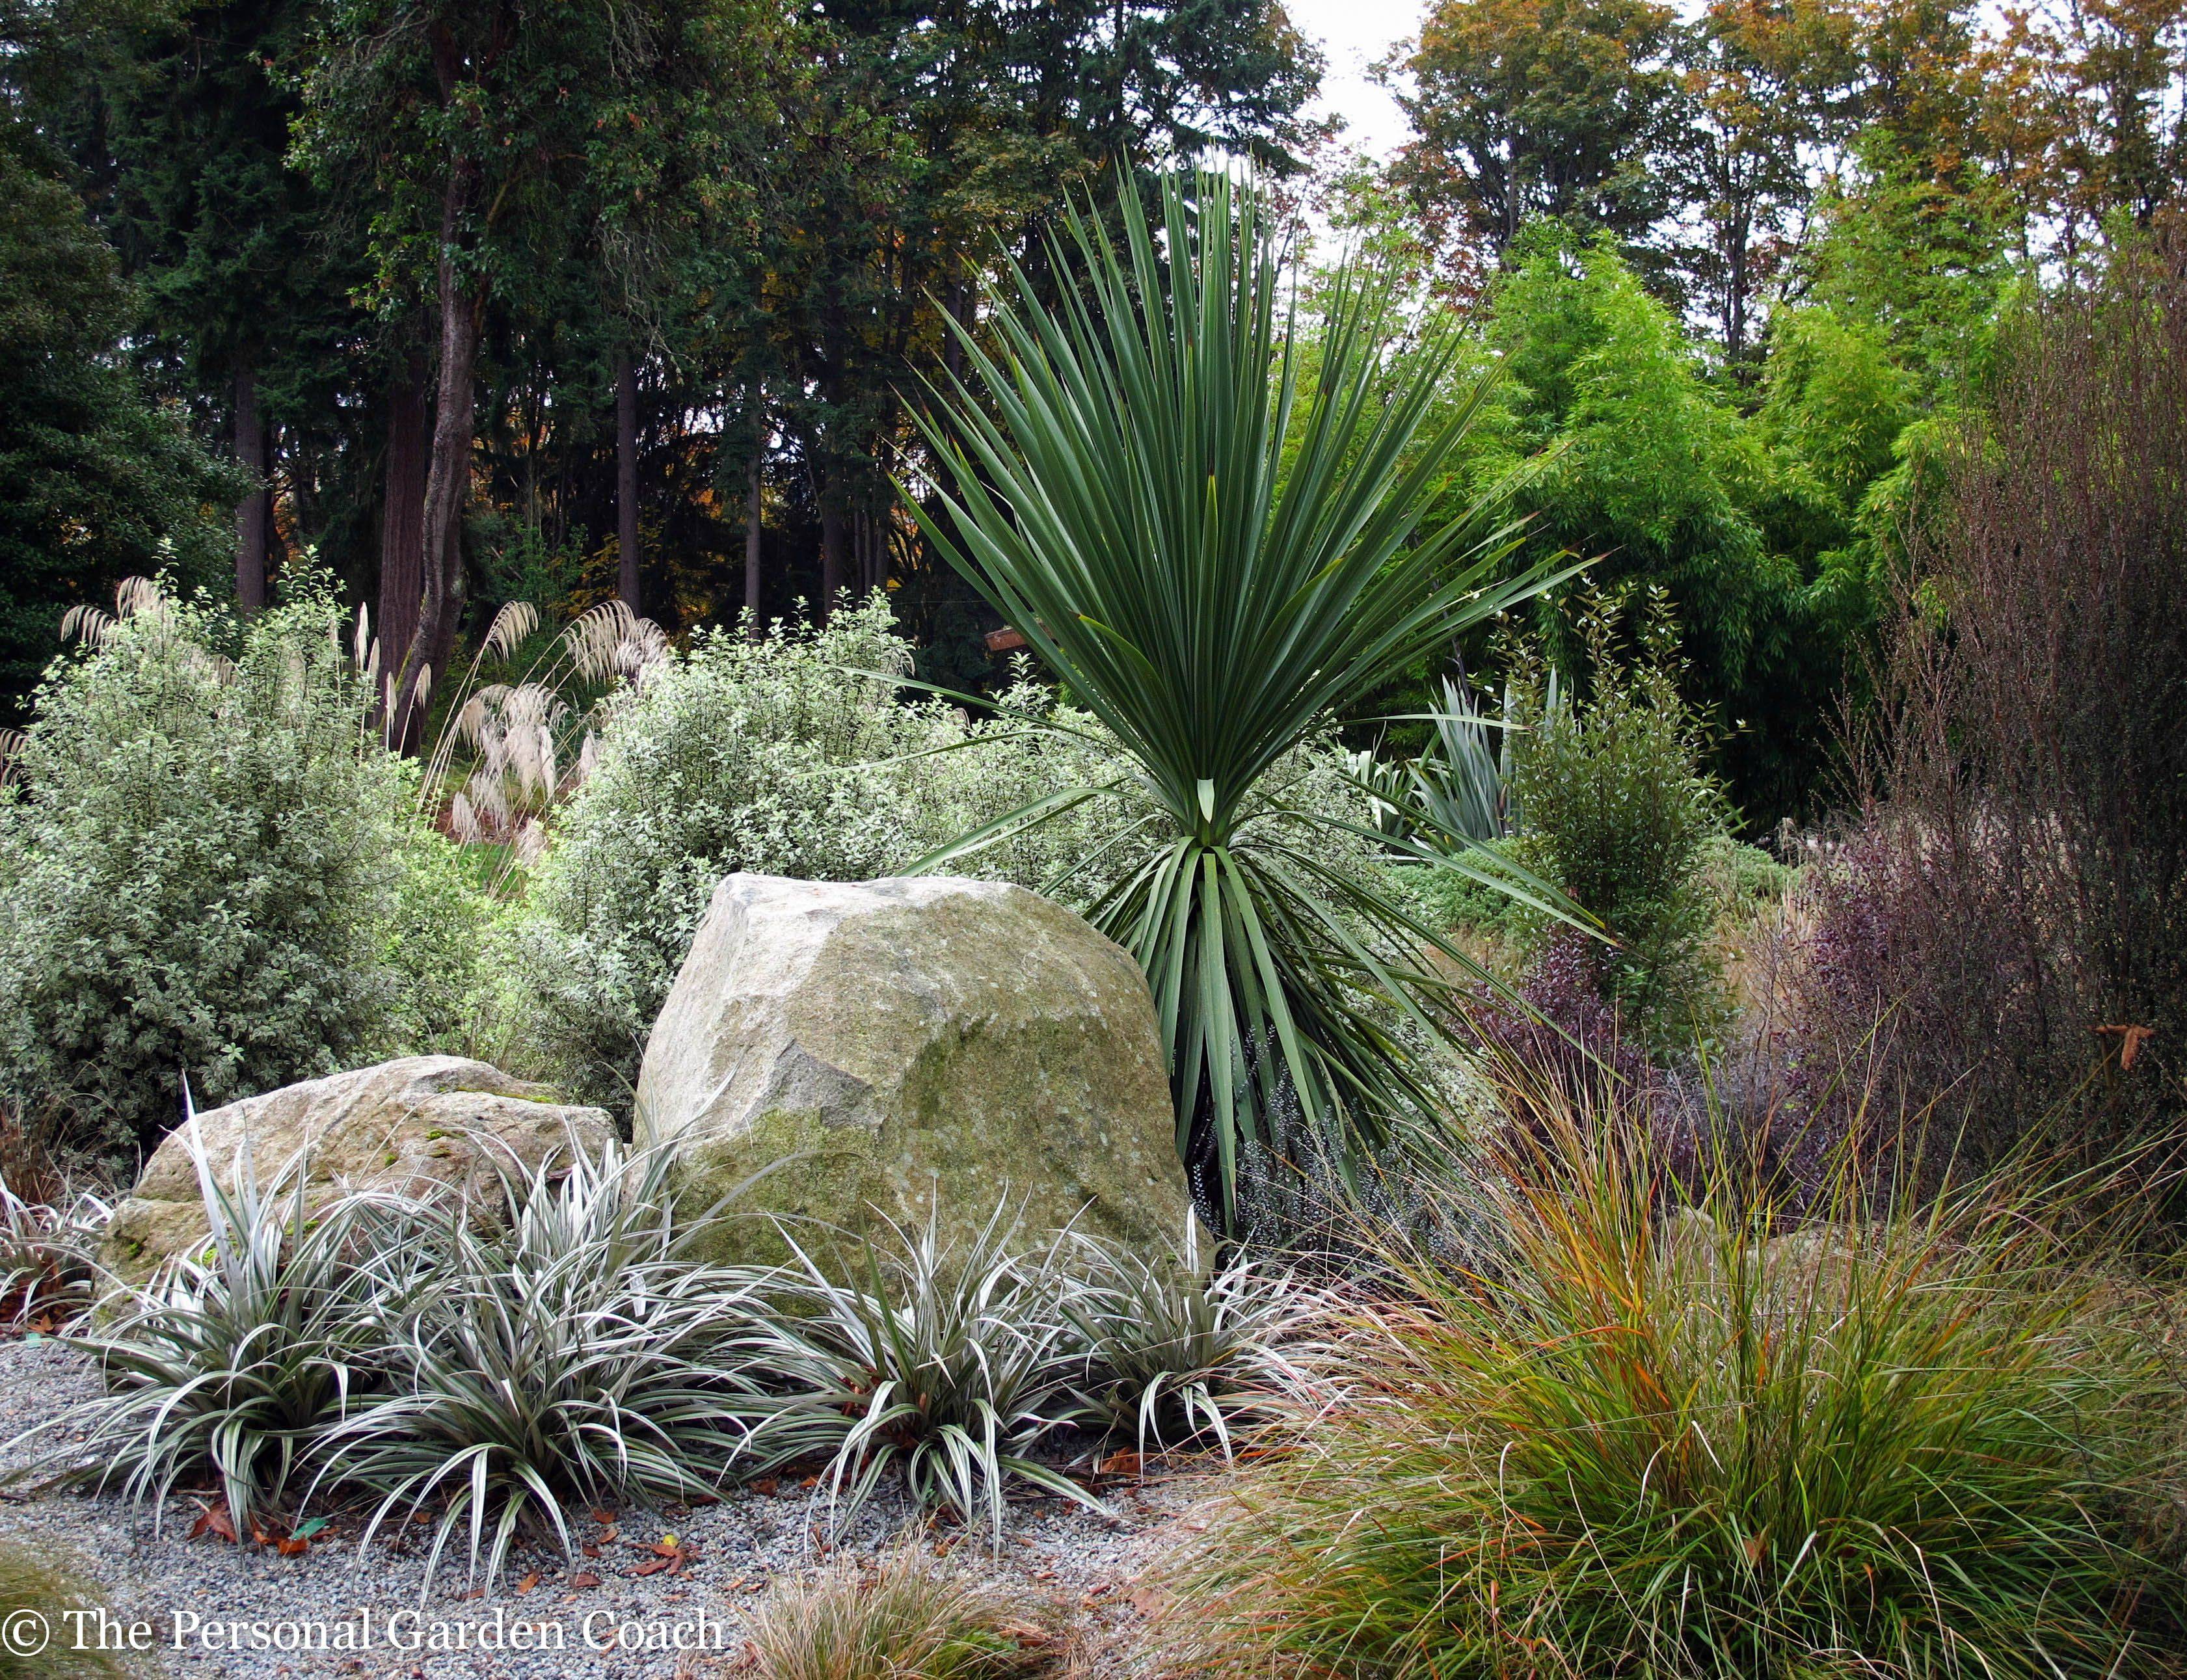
(567, 1355)
(238, 1358)
(948, 1364)
(1218, 559)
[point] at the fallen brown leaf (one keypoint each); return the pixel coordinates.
(214, 1519)
(529, 1581)
(586, 1579)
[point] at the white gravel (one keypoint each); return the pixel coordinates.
(1087, 1563)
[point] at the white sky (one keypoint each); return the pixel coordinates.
(1354, 33)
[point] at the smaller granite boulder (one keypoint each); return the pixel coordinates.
(915, 1047)
(419, 1126)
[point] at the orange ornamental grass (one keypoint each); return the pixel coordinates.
(1640, 1434)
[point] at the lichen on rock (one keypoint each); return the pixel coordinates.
(915, 1046)
(420, 1125)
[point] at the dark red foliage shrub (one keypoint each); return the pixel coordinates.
(2015, 895)
(1565, 1058)
(1567, 1041)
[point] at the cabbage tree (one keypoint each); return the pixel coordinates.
(1219, 557)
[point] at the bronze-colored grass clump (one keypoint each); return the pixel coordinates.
(35, 1595)
(905, 1619)
(1646, 1433)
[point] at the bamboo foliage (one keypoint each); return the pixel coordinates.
(1114, 479)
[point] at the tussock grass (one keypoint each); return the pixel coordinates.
(904, 1620)
(35, 1586)
(1639, 1439)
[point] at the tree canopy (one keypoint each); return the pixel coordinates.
(528, 298)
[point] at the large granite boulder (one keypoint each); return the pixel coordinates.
(421, 1126)
(917, 1046)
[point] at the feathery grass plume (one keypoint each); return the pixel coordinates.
(525, 745)
(145, 603)
(567, 1355)
(947, 1363)
(37, 1596)
(1642, 1438)
(609, 641)
(239, 1358)
(85, 623)
(513, 625)
(1179, 1352)
(1218, 560)
(904, 1620)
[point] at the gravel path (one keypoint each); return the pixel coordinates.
(589, 1622)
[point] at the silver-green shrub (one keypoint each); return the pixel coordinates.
(769, 756)
(199, 860)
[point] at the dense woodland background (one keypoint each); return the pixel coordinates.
(557, 300)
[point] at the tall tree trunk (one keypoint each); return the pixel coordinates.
(751, 543)
(254, 515)
(302, 477)
(960, 311)
(1735, 331)
(627, 479)
(402, 521)
(448, 472)
(874, 566)
(834, 540)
